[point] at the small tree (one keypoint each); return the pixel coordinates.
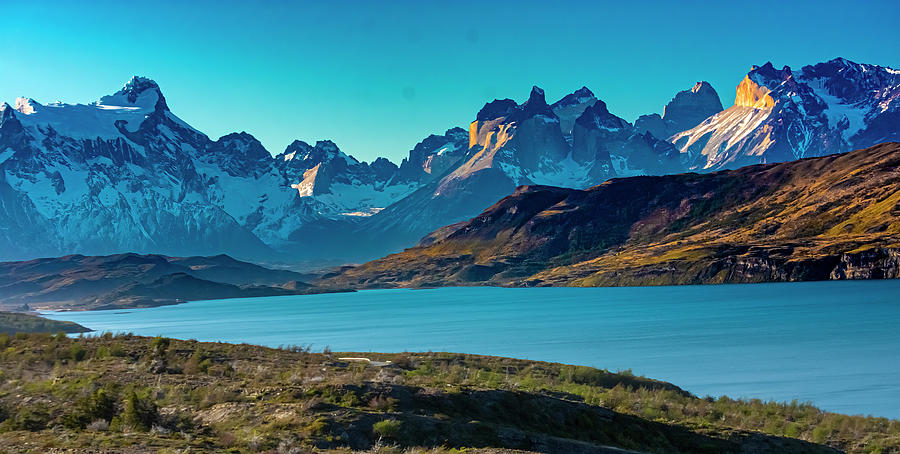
(139, 413)
(388, 428)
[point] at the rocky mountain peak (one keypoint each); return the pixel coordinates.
(690, 107)
(243, 143)
(496, 109)
(536, 105)
(751, 94)
(6, 112)
(597, 116)
(138, 92)
(26, 106)
(137, 85)
(580, 96)
(571, 106)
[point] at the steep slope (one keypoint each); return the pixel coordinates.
(782, 115)
(132, 280)
(832, 217)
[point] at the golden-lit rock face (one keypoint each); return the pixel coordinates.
(305, 187)
(749, 94)
(491, 134)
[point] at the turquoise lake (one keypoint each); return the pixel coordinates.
(835, 344)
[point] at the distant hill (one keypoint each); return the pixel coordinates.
(11, 322)
(831, 217)
(133, 280)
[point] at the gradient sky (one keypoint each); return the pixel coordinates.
(377, 77)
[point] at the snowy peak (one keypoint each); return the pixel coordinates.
(780, 115)
(139, 92)
(301, 155)
(26, 106)
(852, 82)
(137, 86)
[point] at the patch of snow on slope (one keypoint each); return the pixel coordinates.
(344, 198)
(838, 111)
(566, 173)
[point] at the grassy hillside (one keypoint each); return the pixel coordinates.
(134, 394)
(12, 322)
(834, 217)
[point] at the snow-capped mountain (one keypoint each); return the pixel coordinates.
(119, 174)
(781, 115)
(125, 174)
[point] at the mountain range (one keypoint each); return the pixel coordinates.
(831, 217)
(126, 174)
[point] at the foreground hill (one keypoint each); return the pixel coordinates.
(80, 282)
(132, 394)
(832, 217)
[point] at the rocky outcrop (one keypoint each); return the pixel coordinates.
(875, 263)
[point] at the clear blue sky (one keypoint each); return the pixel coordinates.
(377, 77)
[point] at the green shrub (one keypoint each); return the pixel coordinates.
(29, 418)
(197, 363)
(388, 428)
(99, 405)
(77, 352)
(160, 345)
(117, 350)
(820, 435)
(101, 352)
(350, 399)
(318, 426)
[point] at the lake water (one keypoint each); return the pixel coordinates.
(836, 344)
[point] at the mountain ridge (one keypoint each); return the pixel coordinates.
(126, 174)
(832, 217)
